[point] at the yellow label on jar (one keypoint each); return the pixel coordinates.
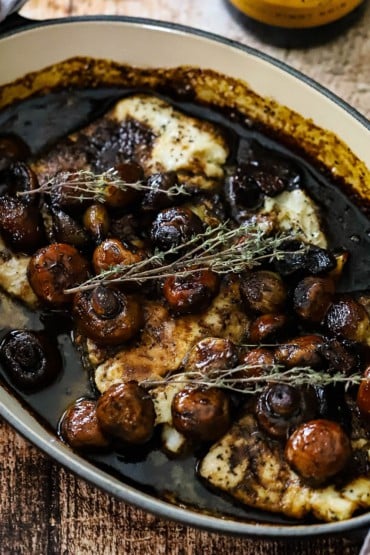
(296, 13)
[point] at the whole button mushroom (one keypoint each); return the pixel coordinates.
(281, 408)
(126, 412)
(107, 315)
(112, 252)
(318, 450)
(267, 327)
(173, 227)
(201, 413)
(20, 225)
(119, 197)
(312, 298)
(157, 198)
(347, 318)
(363, 395)
(12, 148)
(263, 291)
(211, 355)
(96, 222)
(300, 351)
(55, 268)
(21, 180)
(30, 359)
(192, 293)
(80, 428)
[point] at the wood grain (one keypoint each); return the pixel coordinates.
(44, 509)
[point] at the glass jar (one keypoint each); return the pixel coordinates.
(296, 23)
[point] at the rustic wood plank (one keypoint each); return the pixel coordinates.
(46, 510)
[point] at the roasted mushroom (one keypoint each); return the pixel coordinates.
(96, 222)
(272, 171)
(267, 327)
(201, 413)
(300, 351)
(242, 193)
(300, 258)
(121, 196)
(31, 359)
(66, 229)
(312, 298)
(80, 428)
(12, 148)
(211, 354)
(363, 395)
(191, 293)
(112, 252)
(347, 318)
(126, 412)
(318, 450)
(173, 227)
(66, 197)
(281, 408)
(20, 179)
(157, 198)
(339, 357)
(20, 225)
(258, 361)
(55, 268)
(263, 291)
(106, 315)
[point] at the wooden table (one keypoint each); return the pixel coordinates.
(45, 509)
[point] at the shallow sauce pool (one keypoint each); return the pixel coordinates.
(41, 122)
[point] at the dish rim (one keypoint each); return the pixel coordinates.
(17, 415)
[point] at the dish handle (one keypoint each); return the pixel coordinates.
(10, 20)
(365, 549)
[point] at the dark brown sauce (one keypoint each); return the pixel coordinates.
(41, 122)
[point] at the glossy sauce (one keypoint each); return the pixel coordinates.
(41, 122)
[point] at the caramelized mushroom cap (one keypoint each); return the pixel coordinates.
(67, 230)
(363, 395)
(96, 222)
(348, 318)
(156, 198)
(173, 227)
(266, 327)
(107, 315)
(126, 411)
(119, 197)
(112, 252)
(263, 291)
(281, 408)
(259, 360)
(12, 148)
(312, 298)
(20, 225)
(300, 351)
(31, 359)
(211, 354)
(318, 450)
(20, 178)
(200, 413)
(191, 294)
(80, 428)
(55, 268)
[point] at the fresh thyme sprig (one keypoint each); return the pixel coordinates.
(87, 185)
(220, 249)
(240, 379)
